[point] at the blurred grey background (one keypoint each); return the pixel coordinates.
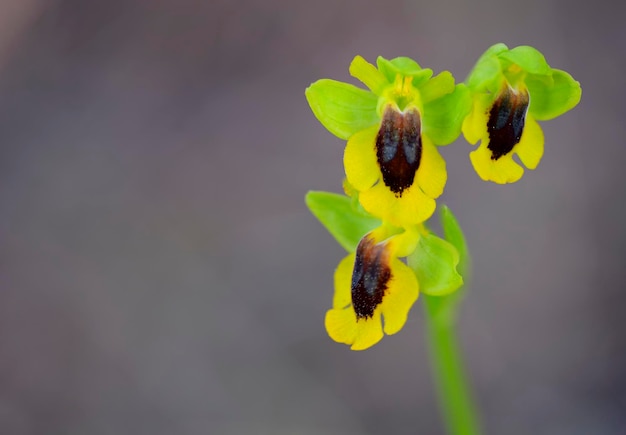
(159, 272)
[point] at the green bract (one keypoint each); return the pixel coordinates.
(342, 217)
(454, 234)
(435, 263)
(440, 264)
(345, 109)
(443, 306)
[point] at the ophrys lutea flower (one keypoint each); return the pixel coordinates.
(372, 284)
(511, 91)
(391, 158)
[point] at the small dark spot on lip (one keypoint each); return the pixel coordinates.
(399, 148)
(370, 277)
(507, 117)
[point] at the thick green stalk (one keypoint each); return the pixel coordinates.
(452, 387)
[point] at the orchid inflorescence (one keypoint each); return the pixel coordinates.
(395, 173)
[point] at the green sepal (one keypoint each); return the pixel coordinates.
(345, 222)
(404, 66)
(487, 73)
(435, 264)
(527, 58)
(443, 117)
(553, 96)
(341, 107)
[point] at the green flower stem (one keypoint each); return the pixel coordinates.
(451, 383)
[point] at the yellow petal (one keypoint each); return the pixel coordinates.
(412, 208)
(530, 147)
(475, 124)
(369, 331)
(343, 280)
(359, 159)
(378, 200)
(403, 244)
(401, 294)
(501, 171)
(431, 174)
(341, 325)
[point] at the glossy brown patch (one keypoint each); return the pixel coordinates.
(399, 148)
(370, 277)
(506, 121)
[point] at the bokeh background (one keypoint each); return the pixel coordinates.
(159, 272)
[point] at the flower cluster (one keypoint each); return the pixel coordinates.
(395, 173)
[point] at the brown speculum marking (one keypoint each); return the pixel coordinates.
(399, 148)
(506, 121)
(370, 277)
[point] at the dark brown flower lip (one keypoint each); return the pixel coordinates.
(507, 117)
(370, 277)
(399, 148)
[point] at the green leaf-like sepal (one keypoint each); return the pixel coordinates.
(528, 58)
(435, 264)
(342, 108)
(347, 222)
(553, 96)
(444, 116)
(404, 66)
(487, 73)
